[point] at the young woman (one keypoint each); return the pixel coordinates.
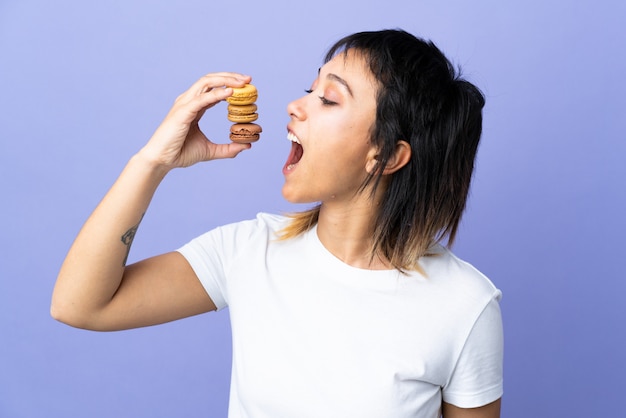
(354, 308)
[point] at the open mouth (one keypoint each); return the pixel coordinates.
(296, 152)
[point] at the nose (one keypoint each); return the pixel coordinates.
(296, 110)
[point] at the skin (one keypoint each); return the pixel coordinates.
(96, 290)
(491, 410)
(333, 124)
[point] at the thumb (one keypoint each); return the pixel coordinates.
(229, 150)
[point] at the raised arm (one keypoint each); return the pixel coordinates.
(95, 289)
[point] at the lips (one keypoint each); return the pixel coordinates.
(296, 152)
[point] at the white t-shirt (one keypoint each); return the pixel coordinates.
(315, 337)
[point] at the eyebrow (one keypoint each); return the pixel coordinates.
(335, 77)
(338, 79)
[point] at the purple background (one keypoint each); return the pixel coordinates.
(84, 84)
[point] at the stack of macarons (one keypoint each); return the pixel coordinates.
(242, 111)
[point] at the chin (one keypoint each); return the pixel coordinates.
(292, 196)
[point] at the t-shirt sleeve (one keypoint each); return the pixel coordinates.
(213, 254)
(208, 260)
(478, 376)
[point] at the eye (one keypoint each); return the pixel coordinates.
(324, 100)
(327, 102)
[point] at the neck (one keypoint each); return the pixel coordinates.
(347, 232)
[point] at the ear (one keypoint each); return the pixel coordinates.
(399, 159)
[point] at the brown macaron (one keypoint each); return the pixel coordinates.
(244, 133)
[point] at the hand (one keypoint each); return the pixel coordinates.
(178, 141)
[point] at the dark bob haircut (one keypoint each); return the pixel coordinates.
(423, 100)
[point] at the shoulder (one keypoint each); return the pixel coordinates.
(264, 221)
(262, 224)
(265, 226)
(464, 291)
(446, 269)
(271, 222)
(237, 236)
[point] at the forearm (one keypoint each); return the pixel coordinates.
(93, 269)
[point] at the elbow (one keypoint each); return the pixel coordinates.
(65, 316)
(68, 315)
(58, 313)
(58, 307)
(65, 307)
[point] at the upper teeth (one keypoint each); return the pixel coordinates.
(292, 137)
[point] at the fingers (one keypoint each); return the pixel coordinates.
(208, 91)
(231, 150)
(217, 82)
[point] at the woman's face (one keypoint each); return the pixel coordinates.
(330, 132)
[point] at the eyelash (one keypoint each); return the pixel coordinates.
(324, 100)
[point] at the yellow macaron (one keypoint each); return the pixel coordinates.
(243, 95)
(242, 113)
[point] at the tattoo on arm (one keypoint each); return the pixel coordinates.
(128, 238)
